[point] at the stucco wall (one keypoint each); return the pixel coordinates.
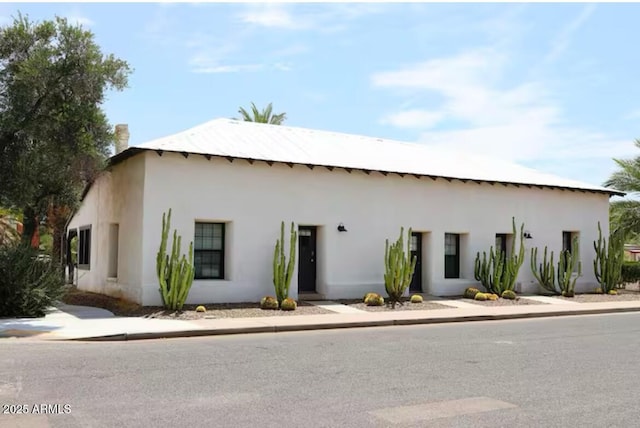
(115, 198)
(253, 199)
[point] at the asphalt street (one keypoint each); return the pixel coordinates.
(553, 372)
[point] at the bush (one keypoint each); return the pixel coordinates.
(612, 292)
(480, 297)
(509, 294)
(631, 272)
(470, 292)
(374, 300)
(416, 298)
(201, 309)
(269, 302)
(29, 284)
(288, 304)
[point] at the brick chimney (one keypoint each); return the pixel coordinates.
(122, 138)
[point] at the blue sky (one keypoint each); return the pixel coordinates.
(551, 86)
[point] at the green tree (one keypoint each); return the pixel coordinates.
(625, 214)
(264, 116)
(54, 136)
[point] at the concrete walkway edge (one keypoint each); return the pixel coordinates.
(349, 324)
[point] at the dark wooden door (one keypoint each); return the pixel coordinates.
(415, 247)
(306, 259)
(501, 242)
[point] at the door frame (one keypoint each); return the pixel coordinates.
(313, 233)
(418, 273)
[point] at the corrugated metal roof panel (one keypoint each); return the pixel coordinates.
(226, 137)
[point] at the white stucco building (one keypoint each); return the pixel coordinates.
(231, 183)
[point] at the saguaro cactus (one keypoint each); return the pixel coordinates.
(398, 268)
(175, 274)
(607, 265)
(545, 272)
(499, 272)
(568, 264)
(283, 271)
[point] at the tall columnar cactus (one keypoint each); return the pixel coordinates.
(568, 264)
(283, 271)
(545, 271)
(498, 272)
(607, 265)
(175, 273)
(398, 268)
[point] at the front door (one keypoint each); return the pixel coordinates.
(306, 259)
(416, 250)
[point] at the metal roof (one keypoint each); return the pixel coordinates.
(277, 143)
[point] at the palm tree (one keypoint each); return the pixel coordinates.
(264, 116)
(625, 215)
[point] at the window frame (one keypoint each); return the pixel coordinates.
(456, 257)
(84, 248)
(220, 251)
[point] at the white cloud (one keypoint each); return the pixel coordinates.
(413, 119)
(75, 17)
(274, 15)
(519, 122)
(561, 43)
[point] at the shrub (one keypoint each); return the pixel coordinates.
(269, 302)
(612, 292)
(288, 304)
(201, 309)
(28, 284)
(470, 292)
(509, 294)
(630, 272)
(480, 297)
(416, 298)
(374, 300)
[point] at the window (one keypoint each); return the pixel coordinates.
(84, 248)
(208, 251)
(451, 255)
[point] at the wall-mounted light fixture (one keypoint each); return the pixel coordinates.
(341, 228)
(527, 235)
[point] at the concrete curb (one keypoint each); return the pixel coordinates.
(352, 324)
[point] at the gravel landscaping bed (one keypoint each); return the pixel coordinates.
(407, 306)
(214, 310)
(623, 295)
(504, 302)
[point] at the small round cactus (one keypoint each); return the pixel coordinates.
(599, 291)
(201, 309)
(370, 295)
(416, 298)
(269, 302)
(288, 304)
(374, 300)
(480, 297)
(509, 294)
(612, 292)
(470, 292)
(492, 297)
(568, 293)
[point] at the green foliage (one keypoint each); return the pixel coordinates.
(269, 302)
(54, 134)
(175, 274)
(8, 233)
(568, 293)
(416, 298)
(480, 297)
(545, 272)
(607, 264)
(288, 304)
(568, 264)
(398, 268)
(374, 299)
(470, 292)
(508, 294)
(283, 271)
(499, 272)
(630, 272)
(264, 116)
(29, 284)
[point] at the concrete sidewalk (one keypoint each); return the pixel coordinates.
(83, 323)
